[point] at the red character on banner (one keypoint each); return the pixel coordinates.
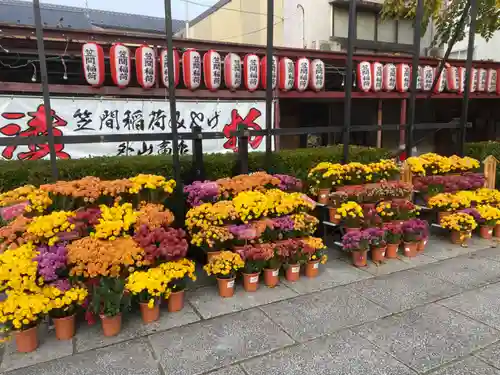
(249, 121)
(36, 127)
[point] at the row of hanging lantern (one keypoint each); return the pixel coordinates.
(389, 77)
(252, 71)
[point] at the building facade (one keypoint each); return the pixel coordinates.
(311, 24)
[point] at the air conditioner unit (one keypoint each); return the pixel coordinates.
(326, 45)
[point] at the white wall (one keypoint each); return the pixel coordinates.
(483, 50)
(318, 22)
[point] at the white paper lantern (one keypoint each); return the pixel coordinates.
(377, 76)
(364, 76)
(389, 79)
(145, 66)
(428, 77)
(191, 69)
(420, 78)
(120, 63)
(232, 71)
(452, 79)
(286, 74)
(403, 76)
(317, 77)
(251, 72)
(263, 72)
(481, 80)
(491, 80)
(302, 72)
(93, 64)
(212, 70)
(164, 67)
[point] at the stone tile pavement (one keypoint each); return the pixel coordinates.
(437, 314)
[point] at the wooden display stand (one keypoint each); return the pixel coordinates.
(490, 172)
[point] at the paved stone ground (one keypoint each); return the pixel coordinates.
(435, 314)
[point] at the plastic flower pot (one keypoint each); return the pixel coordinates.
(486, 232)
(149, 314)
(323, 196)
(176, 301)
(410, 249)
(421, 245)
(459, 238)
(65, 327)
(292, 272)
(378, 254)
(349, 230)
(271, 277)
(211, 254)
(250, 281)
(226, 287)
(111, 325)
(496, 231)
(27, 340)
(392, 251)
(443, 214)
(332, 211)
(312, 268)
(359, 258)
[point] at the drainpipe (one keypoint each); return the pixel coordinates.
(299, 6)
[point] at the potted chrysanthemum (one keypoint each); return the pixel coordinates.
(225, 266)
(357, 244)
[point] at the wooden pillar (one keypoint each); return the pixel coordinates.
(490, 171)
(379, 123)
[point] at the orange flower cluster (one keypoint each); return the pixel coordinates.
(259, 181)
(153, 216)
(89, 188)
(114, 188)
(91, 257)
(14, 234)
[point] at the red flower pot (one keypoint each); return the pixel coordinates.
(378, 254)
(392, 250)
(250, 281)
(312, 268)
(292, 273)
(359, 258)
(486, 232)
(410, 249)
(271, 277)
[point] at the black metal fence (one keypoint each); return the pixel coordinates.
(243, 134)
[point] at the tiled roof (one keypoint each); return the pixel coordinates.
(21, 13)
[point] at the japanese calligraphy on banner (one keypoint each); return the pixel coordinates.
(25, 117)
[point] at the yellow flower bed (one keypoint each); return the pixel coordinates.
(434, 164)
(224, 264)
(47, 227)
(247, 206)
(334, 174)
(460, 222)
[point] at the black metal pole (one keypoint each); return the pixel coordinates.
(413, 87)
(450, 47)
(351, 37)
(468, 76)
(45, 87)
(171, 92)
(269, 82)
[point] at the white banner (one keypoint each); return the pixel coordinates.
(25, 116)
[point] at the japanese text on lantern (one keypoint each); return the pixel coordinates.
(290, 69)
(365, 75)
(123, 63)
(378, 76)
(196, 69)
(253, 73)
(237, 72)
(392, 76)
(303, 73)
(91, 63)
(216, 68)
(149, 70)
(406, 77)
(319, 74)
(428, 78)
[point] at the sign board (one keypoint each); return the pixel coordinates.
(25, 117)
